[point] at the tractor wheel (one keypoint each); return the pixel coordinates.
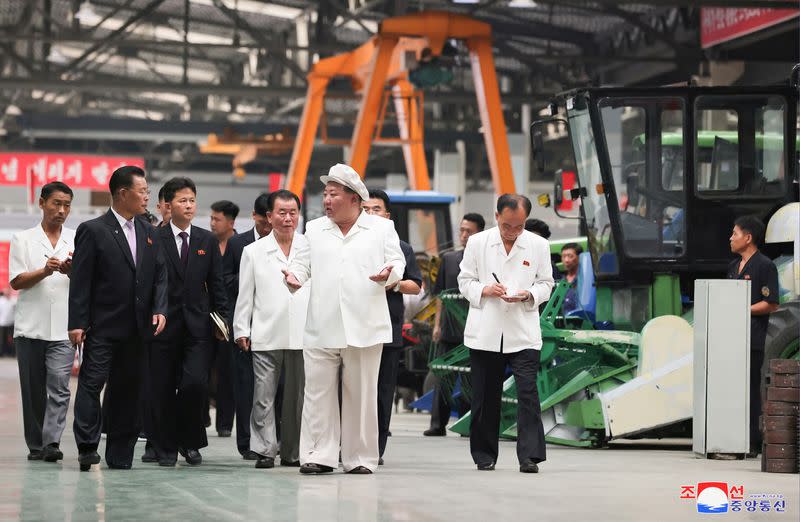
(783, 337)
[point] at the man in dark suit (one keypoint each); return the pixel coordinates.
(180, 358)
(447, 334)
(223, 220)
(378, 205)
(243, 379)
(117, 301)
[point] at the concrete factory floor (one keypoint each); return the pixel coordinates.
(423, 479)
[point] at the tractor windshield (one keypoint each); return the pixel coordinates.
(593, 202)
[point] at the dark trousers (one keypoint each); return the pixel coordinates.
(6, 340)
(176, 419)
(756, 361)
(488, 372)
(222, 365)
(442, 402)
(243, 383)
(117, 364)
(387, 380)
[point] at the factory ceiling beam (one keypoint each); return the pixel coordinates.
(194, 89)
(258, 37)
(348, 15)
(7, 49)
(113, 36)
(160, 45)
(540, 30)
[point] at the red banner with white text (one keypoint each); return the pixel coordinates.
(721, 24)
(78, 171)
(4, 247)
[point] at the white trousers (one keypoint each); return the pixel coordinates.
(323, 432)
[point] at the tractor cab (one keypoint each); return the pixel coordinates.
(662, 173)
(422, 219)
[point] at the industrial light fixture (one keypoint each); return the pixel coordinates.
(466, 1)
(522, 4)
(85, 11)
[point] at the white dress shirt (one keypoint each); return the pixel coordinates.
(122, 220)
(347, 309)
(42, 309)
(266, 310)
(525, 268)
(178, 240)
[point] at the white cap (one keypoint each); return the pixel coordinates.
(347, 176)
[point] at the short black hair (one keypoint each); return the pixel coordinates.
(753, 226)
(476, 218)
(150, 217)
(539, 227)
(123, 178)
(53, 187)
(228, 208)
(284, 195)
(383, 196)
(161, 193)
(261, 204)
(572, 246)
(173, 185)
(513, 201)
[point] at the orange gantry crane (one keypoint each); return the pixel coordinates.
(377, 73)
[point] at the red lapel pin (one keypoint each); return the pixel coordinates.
(525, 263)
(201, 252)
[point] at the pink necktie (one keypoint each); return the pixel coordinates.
(130, 233)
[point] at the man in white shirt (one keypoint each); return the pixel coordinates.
(39, 267)
(269, 320)
(352, 258)
(505, 275)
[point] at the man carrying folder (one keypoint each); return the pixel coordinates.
(180, 357)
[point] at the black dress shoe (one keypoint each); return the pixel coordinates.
(51, 453)
(250, 455)
(360, 470)
(118, 466)
(35, 455)
(223, 433)
(529, 466)
(435, 433)
(192, 456)
(167, 462)
(380, 461)
(290, 463)
(313, 469)
(486, 466)
(150, 454)
(265, 462)
(87, 459)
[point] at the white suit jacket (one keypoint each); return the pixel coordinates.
(41, 309)
(526, 267)
(267, 312)
(346, 307)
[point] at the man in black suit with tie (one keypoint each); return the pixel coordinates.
(196, 289)
(117, 302)
(243, 379)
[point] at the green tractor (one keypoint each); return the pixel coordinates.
(662, 173)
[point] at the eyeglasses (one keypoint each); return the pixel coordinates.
(145, 192)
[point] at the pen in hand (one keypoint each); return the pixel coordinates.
(496, 279)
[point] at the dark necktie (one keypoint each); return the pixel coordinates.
(184, 247)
